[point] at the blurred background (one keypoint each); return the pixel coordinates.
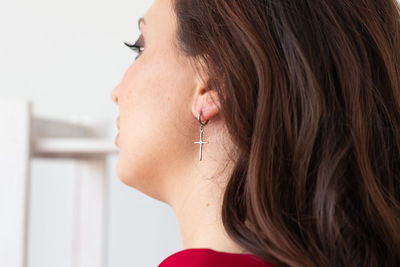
(66, 57)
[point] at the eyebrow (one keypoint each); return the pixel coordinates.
(141, 20)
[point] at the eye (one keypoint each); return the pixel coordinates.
(137, 47)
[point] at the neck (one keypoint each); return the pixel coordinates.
(197, 204)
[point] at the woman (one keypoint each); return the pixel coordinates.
(271, 127)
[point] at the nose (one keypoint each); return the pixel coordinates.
(114, 95)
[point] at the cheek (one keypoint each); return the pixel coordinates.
(155, 114)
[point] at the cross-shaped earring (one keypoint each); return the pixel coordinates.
(201, 135)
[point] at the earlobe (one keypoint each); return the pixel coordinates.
(206, 101)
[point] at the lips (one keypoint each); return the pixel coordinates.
(116, 140)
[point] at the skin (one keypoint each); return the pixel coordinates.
(159, 98)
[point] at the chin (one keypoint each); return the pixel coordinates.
(133, 174)
(121, 174)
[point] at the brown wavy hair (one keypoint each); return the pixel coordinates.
(310, 94)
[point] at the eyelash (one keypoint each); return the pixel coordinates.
(137, 48)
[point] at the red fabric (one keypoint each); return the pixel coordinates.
(205, 257)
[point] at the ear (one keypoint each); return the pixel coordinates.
(206, 101)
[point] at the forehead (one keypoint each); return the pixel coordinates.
(160, 29)
(160, 16)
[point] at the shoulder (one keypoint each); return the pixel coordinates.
(202, 257)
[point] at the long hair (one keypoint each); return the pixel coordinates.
(310, 93)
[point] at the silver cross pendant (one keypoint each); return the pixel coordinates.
(201, 141)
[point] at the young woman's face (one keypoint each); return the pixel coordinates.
(154, 97)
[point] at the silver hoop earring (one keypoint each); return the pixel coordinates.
(201, 142)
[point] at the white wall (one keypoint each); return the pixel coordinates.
(67, 56)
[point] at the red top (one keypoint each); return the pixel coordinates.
(205, 257)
